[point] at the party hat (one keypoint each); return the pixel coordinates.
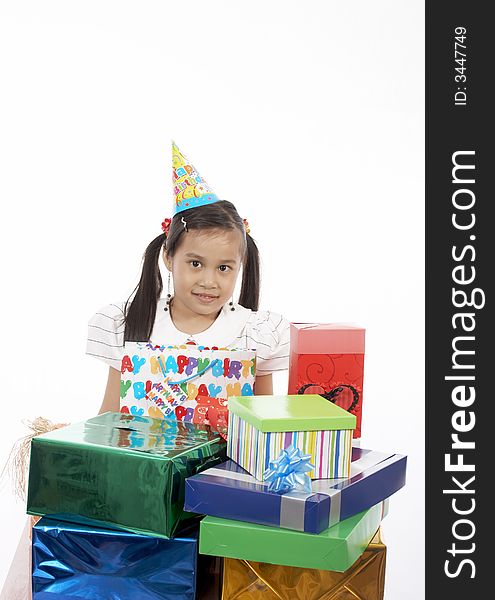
(190, 189)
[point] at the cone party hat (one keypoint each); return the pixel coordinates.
(190, 189)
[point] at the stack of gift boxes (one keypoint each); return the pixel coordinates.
(293, 504)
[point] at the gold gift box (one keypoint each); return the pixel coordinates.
(365, 580)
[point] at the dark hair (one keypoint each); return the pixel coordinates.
(141, 310)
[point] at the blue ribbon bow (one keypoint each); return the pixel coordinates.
(289, 472)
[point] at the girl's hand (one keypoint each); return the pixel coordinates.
(111, 400)
(263, 385)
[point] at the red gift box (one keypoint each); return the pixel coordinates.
(328, 359)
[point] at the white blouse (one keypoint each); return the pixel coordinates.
(264, 331)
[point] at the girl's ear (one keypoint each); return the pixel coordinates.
(167, 261)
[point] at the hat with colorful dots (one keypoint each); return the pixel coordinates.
(190, 189)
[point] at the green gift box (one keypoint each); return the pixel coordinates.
(120, 469)
(334, 549)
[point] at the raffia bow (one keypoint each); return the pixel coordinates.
(17, 464)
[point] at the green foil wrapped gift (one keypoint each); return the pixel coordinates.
(120, 469)
(334, 549)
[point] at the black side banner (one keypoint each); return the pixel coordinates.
(460, 353)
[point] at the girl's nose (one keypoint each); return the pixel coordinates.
(209, 279)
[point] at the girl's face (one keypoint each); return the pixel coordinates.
(204, 268)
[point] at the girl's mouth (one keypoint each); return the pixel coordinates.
(205, 298)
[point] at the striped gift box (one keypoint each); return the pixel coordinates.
(261, 426)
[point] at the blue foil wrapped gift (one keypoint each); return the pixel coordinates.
(75, 561)
(229, 492)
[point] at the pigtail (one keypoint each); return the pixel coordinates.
(141, 310)
(250, 287)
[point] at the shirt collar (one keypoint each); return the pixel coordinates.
(222, 332)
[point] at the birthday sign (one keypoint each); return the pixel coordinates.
(183, 382)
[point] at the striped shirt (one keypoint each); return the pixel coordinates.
(263, 330)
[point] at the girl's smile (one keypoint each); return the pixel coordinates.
(205, 298)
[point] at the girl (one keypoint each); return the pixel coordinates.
(204, 248)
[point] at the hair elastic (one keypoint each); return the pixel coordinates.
(166, 225)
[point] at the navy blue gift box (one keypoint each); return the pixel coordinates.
(229, 492)
(74, 561)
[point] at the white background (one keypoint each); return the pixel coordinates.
(308, 116)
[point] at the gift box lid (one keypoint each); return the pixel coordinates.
(308, 412)
(118, 432)
(326, 338)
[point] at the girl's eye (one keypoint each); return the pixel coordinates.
(224, 268)
(195, 263)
